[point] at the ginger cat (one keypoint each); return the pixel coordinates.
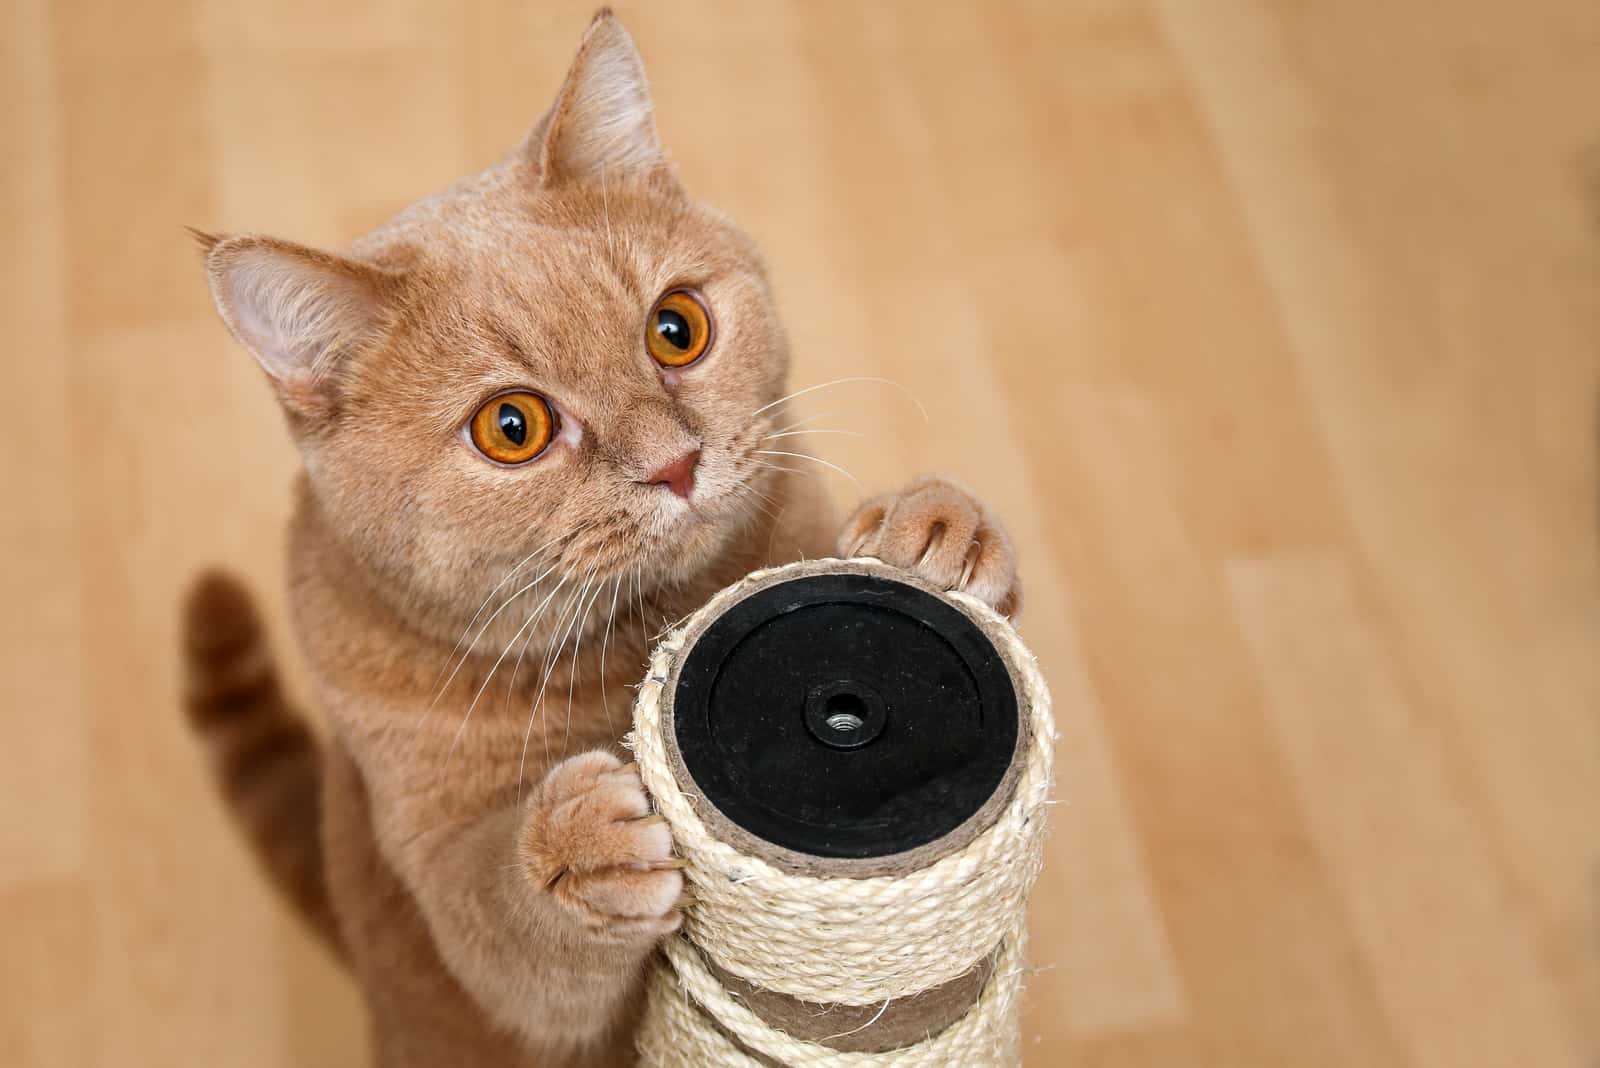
(531, 410)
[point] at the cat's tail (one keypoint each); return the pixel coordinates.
(267, 762)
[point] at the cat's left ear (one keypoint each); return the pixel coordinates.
(603, 121)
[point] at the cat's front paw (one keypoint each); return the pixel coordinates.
(939, 530)
(592, 843)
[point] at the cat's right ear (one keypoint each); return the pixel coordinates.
(299, 311)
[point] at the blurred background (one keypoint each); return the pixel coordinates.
(1270, 327)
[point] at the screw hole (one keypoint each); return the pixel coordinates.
(845, 713)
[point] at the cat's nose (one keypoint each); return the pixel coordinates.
(678, 476)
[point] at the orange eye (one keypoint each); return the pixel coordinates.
(679, 331)
(513, 428)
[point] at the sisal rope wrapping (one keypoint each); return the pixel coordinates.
(841, 940)
(690, 1017)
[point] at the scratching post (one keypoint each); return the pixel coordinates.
(854, 766)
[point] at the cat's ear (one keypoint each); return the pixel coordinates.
(297, 310)
(603, 121)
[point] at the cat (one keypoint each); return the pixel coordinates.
(530, 411)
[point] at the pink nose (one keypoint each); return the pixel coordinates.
(678, 476)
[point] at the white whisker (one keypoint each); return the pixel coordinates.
(840, 382)
(605, 639)
(814, 459)
(803, 422)
(760, 500)
(638, 592)
(482, 630)
(777, 522)
(538, 701)
(520, 564)
(572, 683)
(798, 433)
(605, 207)
(516, 668)
(787, 470)
(463, 727)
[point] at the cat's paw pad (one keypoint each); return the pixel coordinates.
(591, 841)
(938, 530)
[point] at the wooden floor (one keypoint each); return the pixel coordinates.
(1273, 328)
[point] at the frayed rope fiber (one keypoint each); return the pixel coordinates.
(828, 940)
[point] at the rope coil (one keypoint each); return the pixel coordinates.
(837, 940)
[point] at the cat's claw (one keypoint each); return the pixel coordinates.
(592, 843)
(940, 531)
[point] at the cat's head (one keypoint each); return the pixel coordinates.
(562, 357)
